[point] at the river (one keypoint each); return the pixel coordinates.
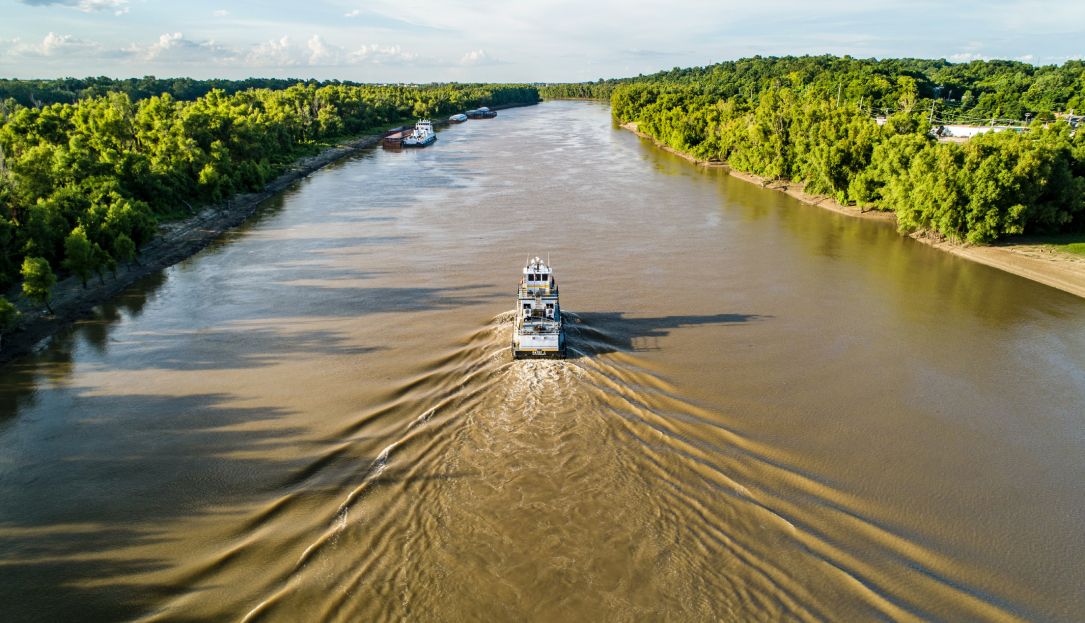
(770, 412)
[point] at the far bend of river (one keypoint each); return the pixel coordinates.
(772, 412)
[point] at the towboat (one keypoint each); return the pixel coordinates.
(538, 332)
(422, 135)
(459, 118)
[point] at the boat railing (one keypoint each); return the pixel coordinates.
(543, 328)
(543, 290)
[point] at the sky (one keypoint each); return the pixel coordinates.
(507, 40)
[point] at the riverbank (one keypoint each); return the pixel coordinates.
(176, 241)
(1034, 261)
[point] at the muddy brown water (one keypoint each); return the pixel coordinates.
(772, 412)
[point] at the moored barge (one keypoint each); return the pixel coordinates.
(481, 113)
(393, 139)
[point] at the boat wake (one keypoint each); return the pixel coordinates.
(483, 487)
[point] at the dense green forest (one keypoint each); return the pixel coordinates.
(979, 90)
(71, 90)
(600, 90)
(82, 184)
(812, 120)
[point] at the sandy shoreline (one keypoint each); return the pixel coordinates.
(1037, 262)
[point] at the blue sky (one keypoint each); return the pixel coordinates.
(510, 40)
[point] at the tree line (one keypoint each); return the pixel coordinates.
(976, 90)
(43, 92)
(812, 120)
(600, 90)
(83, 184)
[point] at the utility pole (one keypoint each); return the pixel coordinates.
(931, 118)
(839, 87)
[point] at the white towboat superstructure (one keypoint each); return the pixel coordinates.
(422, 135)
(538, 331)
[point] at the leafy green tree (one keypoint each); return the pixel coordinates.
(807, 119)
(9, 248)
(113, 156)
(101, 262)
(909, 93)
(79, 255)
(38, 281)
(9, 316)
(124, 248)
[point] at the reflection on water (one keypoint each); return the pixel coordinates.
(771, 411)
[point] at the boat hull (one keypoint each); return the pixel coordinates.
(538, 354)
(411, 143)
(550, 346)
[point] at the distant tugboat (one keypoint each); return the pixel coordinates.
(538, 331)
(423, 135)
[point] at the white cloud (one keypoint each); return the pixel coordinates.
(388, 55)
(286, 52)
(477, 57)
(469, 40)
(967, 57)
(118, 7)
(59, 45)
(322, 53)
(316, 51)
(174, 48)
(51, 46)
(281, 52)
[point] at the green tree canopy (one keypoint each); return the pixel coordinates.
(110, 158)
(811, 120)
(79, 255)
(9, 316)
(38, 281)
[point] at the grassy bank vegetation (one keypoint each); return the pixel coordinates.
(812, 120)
(82, 184)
